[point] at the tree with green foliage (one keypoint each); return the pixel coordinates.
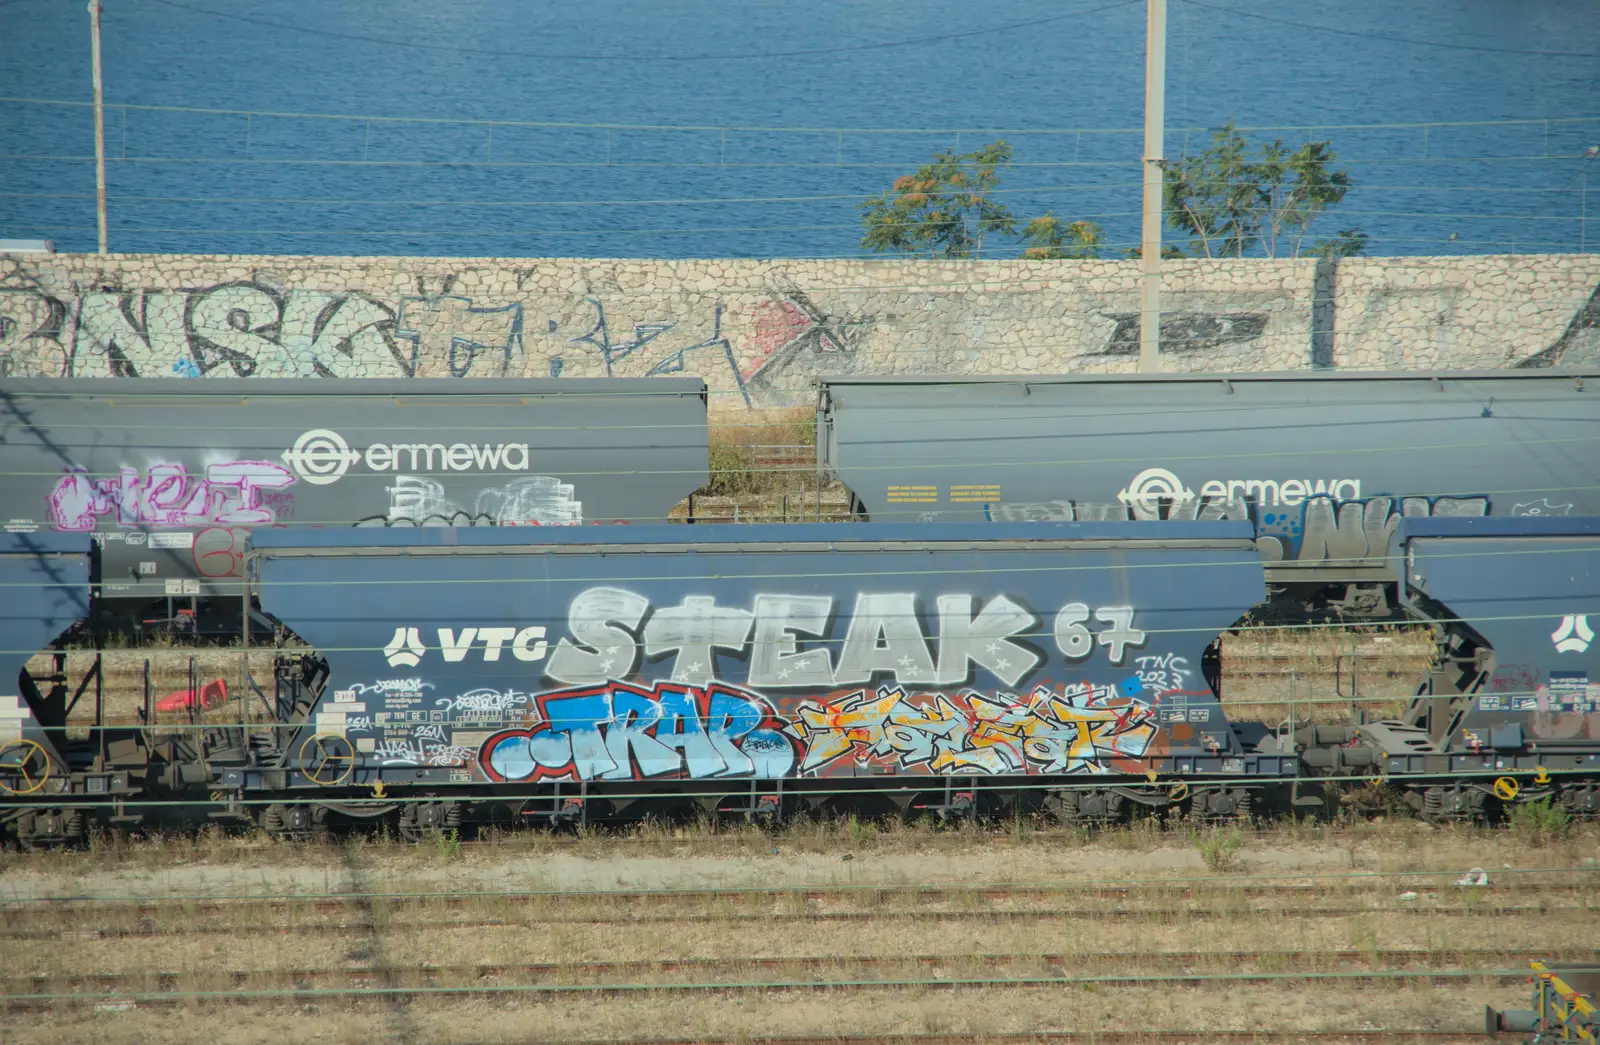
(1233, 201)
(944, 210)
(1047, 237)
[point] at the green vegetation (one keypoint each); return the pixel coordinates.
(1233, 198)
(1233, 201)
(1540, 823)
(735, 470)
(1047, 237)
(1220, 847)
(943, 210)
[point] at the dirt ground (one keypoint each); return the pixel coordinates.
(805, 855)
(1380, 889)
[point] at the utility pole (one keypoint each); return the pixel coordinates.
(99, 125)
(1155, 92)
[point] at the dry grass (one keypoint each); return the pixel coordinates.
(712, 1016)
(1322, 674)
(800, 854)
(210, 957)
(567, 928)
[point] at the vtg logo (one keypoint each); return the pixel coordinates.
(1573, 635)
(406, 649)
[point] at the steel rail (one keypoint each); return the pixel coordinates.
(1117, 1036)
(1286, 961)
(54, 1000)
(1103, 914)
(1240, 884)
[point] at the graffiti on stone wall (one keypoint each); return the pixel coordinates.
(1579, 343)
(31, 334)
(468, 339)
(249, 328)
(634, 356)
(231, 330)
(793, 340)
(1183, 332)
(257, 325)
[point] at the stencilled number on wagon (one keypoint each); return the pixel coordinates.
(1076, 641)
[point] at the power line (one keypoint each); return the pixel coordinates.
(713, 165)
(1105, 187)
(768, 129)
(664, 231)
(637, 58)
(1412, 41)
(537, 203)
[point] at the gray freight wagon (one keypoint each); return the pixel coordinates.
(170, 477)
(1325, 464)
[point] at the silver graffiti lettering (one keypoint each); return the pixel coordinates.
(604, 621)
(773, 657)
(983, 640)
(696, 628)
(884, 637)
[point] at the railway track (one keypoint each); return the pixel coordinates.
(389, 990)
(149, 928)
(1275, 963)
(1093, 1037)
(1581, 883)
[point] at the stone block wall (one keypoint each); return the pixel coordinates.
(760, 332)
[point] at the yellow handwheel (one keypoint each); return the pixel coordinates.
(1179, 791)
(327, 758)
(1506, 788)
(29, 772)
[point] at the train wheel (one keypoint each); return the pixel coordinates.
(1093, 807)
(419, 821)
(49, 829)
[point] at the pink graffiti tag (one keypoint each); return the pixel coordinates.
(230, 493)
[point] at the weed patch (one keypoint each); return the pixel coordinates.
(1220, 848)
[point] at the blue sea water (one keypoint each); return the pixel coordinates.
(691, 128)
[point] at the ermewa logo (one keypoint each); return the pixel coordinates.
(1155, 486)
(407, 649)
(322, 456)
(1574, 634)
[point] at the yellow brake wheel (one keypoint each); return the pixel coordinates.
(328, 759)
(24, 767)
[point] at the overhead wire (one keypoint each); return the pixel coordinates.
(524, 234)
(1244, 455)
(844, 546)
(708, 164)
(634, 57)
(1528, 121)
(1385, 37)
